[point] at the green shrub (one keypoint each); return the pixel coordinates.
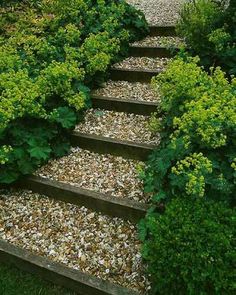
(190, 249)
(209, 28)
(51, 53)
(189, 233)
(197, 155)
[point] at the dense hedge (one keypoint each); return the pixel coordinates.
(51, 53)
(209, 29)
(191, 248)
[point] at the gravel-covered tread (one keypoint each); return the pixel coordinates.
(160, 41)
(107, 174)
(159, 12)
(142, 63)
(126, 90)
(75, 236)
(120, 125)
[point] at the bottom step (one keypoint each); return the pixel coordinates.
(86, 251)
(56, 273)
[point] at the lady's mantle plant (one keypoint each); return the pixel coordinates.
(51, 52)
(198, 151)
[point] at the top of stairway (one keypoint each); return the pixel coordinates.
(159, 12)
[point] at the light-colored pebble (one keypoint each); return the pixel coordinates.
(159, 12)
(125, 126)
(75, 236)
(161, 41)
(107, 174)
(127, 90)
(143, 63)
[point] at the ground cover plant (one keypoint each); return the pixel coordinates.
(52, 53)
(209, 29)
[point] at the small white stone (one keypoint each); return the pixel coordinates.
(83, 258)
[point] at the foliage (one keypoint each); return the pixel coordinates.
(188, 234)
(190, 249)
(197, 155)
(209, 28)
(52, 52)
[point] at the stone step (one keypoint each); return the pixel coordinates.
(133, 75)
(148, 51)
(124, 105)
(117, 147)
(161, 41)
(74, 246)
(106, 174)
(116, 132)
(157, 46)
(57, 273)
(143, 92)
(138, 69)
(96, 201)
(162, 30)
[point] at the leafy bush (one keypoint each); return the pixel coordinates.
(209, 28)
(51, 53)
(197, 156)
(190, 249)
(189, 233)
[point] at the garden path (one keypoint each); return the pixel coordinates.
(101, 174)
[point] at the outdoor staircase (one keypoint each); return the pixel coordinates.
(110, 205)
(129, 209)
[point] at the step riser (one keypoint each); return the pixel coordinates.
(152, 52)
(162, 31)
(57, 273)
(115, 147)
(132, 76)
(126, 106)
(108, 205)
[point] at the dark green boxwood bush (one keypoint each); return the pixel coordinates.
(51, 53)
(191, 248)
(209, 28)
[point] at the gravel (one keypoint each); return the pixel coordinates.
(75, 236)
(159, 12)
(144, 63)
(124, 126)
(161, 41)
(107, 174)
(127, 90)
